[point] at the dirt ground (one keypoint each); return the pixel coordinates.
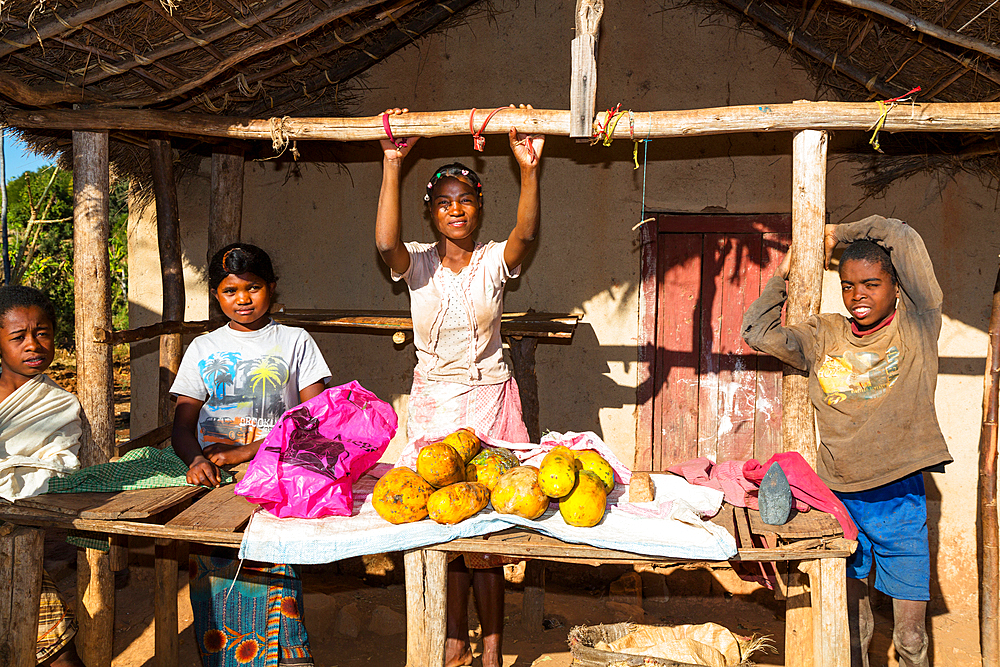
(355, 610)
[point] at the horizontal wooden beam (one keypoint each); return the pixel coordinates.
(530, 325)
(934, 117)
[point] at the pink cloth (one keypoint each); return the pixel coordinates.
(806, 486)
(727, 477)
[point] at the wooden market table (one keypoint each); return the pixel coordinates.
(811, 543)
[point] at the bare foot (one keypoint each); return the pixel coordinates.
(457, 653)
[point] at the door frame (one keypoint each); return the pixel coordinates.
(731, 223)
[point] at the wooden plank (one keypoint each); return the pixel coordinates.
(21, 566)
(225, 206)
(64, 503)
(737, 361)
(219, 510)
(533, 600)
(141, 503)
(710, 297)
(95, 609)
(168, 234)
(805, 280)
(744, 538)
(92, 294)
(831, 635)
(725, 519)
(675, 420)
(813, 523)
(108, 527)
(165, 632)
(583, 60)
(645, 389)
(798, 620)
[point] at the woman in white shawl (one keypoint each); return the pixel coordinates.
(39, 438)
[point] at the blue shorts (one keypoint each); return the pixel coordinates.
(892, 525)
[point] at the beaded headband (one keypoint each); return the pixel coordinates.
(461, 174)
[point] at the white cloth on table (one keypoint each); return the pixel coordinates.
(681, 534)
(39, 437)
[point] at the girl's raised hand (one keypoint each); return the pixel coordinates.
(527, 148)
(395, 148)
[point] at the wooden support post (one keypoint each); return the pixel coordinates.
(798, 621)
(95, 608)
(986, 509)
(21, 566)
(831, 636)
(92, 293)
(225, 207)
(583, 56)
(426, 607)
(522, 358)
(161, 160)
(805, 281)
(118, 552)
(166, 638)
(533, 603)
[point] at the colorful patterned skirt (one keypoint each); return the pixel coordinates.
(56, 624)
(247, 613)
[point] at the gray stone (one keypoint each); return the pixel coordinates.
(775, 497)
(349, 621)
(387, 622)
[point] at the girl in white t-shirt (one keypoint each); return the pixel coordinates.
(232, 386)
(461, 378)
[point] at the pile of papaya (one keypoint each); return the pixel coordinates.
(457, 477)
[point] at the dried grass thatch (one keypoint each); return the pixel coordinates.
(252, 58)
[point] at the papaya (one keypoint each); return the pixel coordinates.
(440, 465)
(588, 459)
(401, 496)
(465, 442)
(457, 502)
(489, 464)
(584, 505)
(557, 473)
(517, 492)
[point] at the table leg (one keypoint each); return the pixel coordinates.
(798, 620)
(21, 565)
(166, 640)
(533, 603)
(831, 635)
(95, 609)
(426, 607)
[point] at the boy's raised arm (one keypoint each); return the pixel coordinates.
(762, 328)
(917, 281)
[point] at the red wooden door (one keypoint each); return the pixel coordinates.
(713, 395)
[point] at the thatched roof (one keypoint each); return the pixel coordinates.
(271, 58)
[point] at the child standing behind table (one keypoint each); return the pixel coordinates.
(232, 386)
(872, 379)
(39, 438)
(461, 379)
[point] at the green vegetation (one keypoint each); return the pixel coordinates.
(40, 236)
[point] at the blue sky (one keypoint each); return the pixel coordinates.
(18, 159)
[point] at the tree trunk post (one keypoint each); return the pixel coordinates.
(805, 287)
(805, 281)
(225, 208)
(161, 160)
(986, 515)
(92, 293)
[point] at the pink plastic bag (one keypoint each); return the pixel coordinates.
(308, 463)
